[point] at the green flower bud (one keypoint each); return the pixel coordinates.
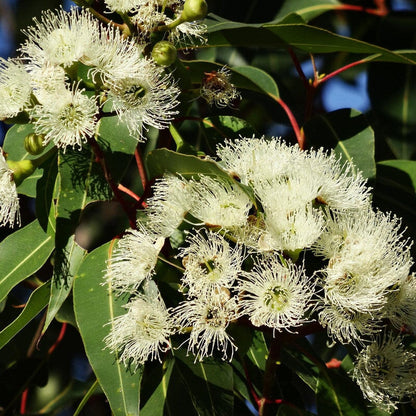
(164, 53)
(33, 143)
(194, 10)
(21, 169)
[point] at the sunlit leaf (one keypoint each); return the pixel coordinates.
(96, 306)
(36, 302)
(22, 254)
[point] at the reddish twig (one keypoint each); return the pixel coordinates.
(338, 71)
(298, 133)
(380, 10)
(141, 168)
(298, 67)
(59, 339)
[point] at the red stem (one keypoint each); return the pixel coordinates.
(140, 167)
(299, 135)
(59, 339)
(298, 67)
(381, 9)
(338, 71)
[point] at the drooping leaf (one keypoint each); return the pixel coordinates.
(161, 161)
(155, 406)
(301, 36)
(307, 9)
(36, 302)
(78, 183)
(209, 383)
(60, 288)
(258, 351)
(96, 306)
(22, 254)
(118, 145)
(348, 132)
(392, 88)
(408, 167)
(395, 190)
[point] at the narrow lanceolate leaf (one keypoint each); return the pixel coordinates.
(22, 254)
(300, 36)
(307, 9)
(155, 405)
(161, 161)
(78, 184)
(348, 132)
(261, 79)
(37, 301)
(60, 289)
(96, 306)
(209, 383)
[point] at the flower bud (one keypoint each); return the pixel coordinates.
(164, 53)
(34, 143)
(194, 10)
(21, 169)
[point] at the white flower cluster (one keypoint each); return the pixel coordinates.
(64, 54)
(241, 257)
(149, 14)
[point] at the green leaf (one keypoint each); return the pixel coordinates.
(307, 9)
(37, 301)
(79, 184)
(22, 254)
(348, 132)
(406, 166)
(393, 103)
(300, 36)
(117, 144)
(210, 384)
(95, 307)
(338, 395)
(14, 147)
(258, 351)
(161, 161)
(155, 406)
(62, 284)
(301, 365)
(260, 79)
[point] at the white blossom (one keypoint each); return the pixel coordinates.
(143, 332)
(276, 295)
(208, 317)
(60, 37)
(386, 372)
(9, 200)
(15, 88)
(134, 259)
(349, 326)
(367, 256)
(400, 308)
(219, 202)
(210, 263)
(67, 118)
(169, 204)
(147, 97)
